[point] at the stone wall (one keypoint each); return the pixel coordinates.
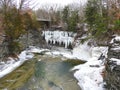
(112, 77)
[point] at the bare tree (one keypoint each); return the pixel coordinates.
(49, 12)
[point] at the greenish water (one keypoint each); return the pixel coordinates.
(44, 73)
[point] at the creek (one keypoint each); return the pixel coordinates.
(44, 72)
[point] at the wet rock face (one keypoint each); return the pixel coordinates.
(34, 39)
(112, 77)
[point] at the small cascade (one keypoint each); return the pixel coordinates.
(59, 37)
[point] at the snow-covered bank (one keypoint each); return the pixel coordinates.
(89, 74)
(13, 63)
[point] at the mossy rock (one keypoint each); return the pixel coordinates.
(41, 53)
(18, 77)
(74, 62)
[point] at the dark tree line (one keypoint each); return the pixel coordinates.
(103, 17)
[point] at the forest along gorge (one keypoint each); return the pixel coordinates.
(44, 72)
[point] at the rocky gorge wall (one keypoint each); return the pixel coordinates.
(34, 39)
(112, 75)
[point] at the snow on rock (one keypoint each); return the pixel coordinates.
(117, 38)
(115, 48)
(11, 65)
(83, 51)
(117, 61)
(97, 51)
(33, 49)
(89, 77)
(89, 74)
(60, 37)
(65, 53)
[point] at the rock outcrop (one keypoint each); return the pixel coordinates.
(32, 38)
(112, 76)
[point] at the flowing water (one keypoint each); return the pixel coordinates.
(44, 73)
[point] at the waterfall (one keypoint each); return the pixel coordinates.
(59, 37)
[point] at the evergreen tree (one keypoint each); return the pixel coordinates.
(95, 18)
(73, 20)
(13, 27)
(65, 14)
(15, 24)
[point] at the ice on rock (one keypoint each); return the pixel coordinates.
(60, 37)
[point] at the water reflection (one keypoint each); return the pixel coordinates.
(40, 69)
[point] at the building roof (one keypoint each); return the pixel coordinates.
(41, 19)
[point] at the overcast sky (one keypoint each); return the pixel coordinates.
(60, 2)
